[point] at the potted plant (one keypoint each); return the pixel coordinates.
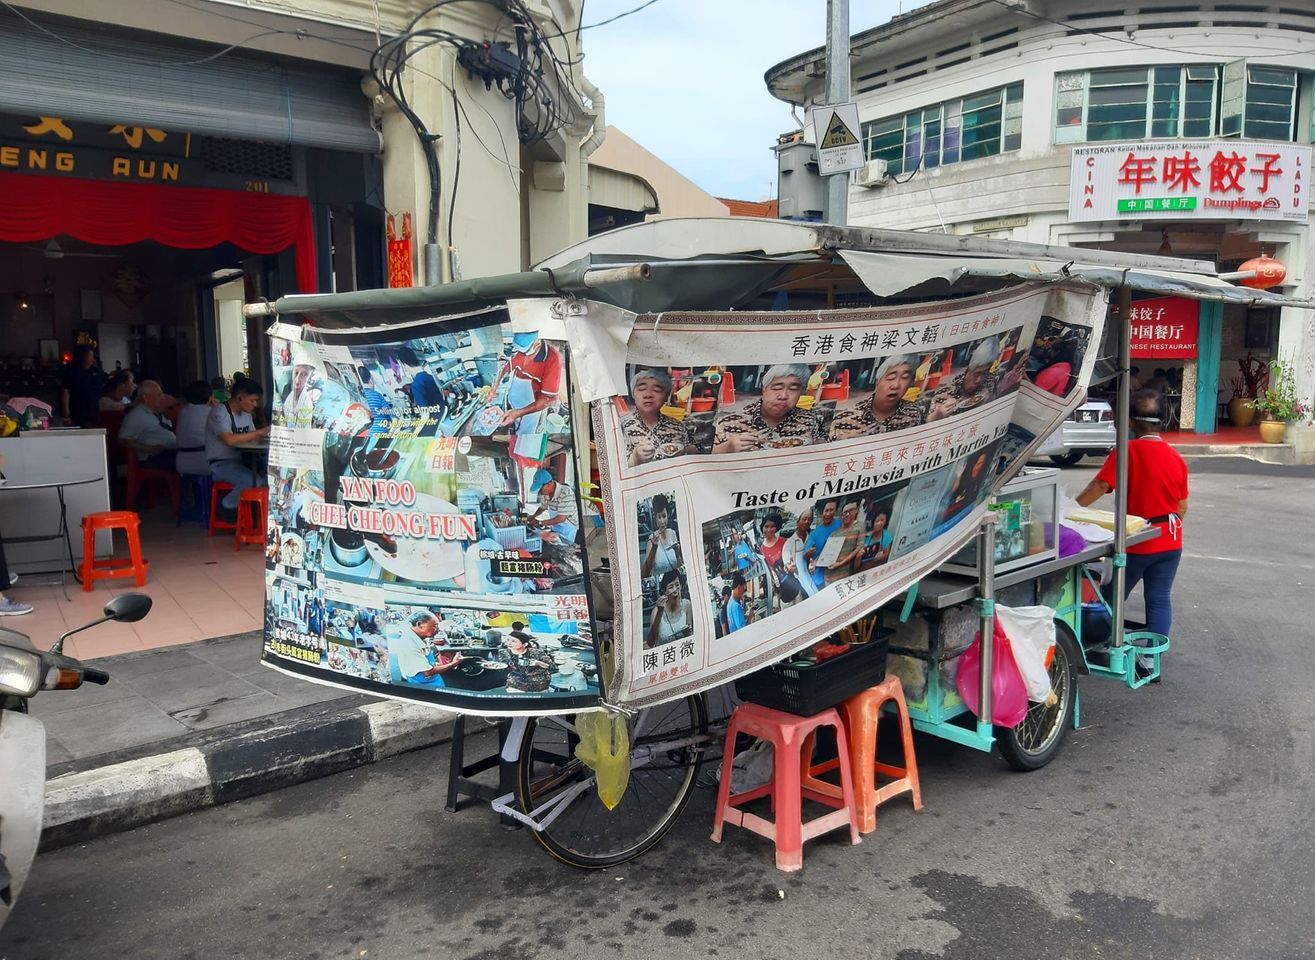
(1253, 377)
(1278, 404)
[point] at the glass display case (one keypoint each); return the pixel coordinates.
(1025, 531)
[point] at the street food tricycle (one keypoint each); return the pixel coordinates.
(692, 457)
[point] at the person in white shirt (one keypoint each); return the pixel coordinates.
(146, 430)
(190, 430)
(228, 428)
(793, 560)
(415, 647)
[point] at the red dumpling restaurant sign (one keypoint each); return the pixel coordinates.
(1164, 328)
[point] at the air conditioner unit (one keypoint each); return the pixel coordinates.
(871, 174)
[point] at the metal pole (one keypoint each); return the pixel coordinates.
(837, 91)
(986, 602)
(1122, 426)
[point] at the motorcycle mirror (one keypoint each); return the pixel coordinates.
(128, 607)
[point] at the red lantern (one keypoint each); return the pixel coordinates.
(1269, 273)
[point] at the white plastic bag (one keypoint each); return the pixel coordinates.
(1031, 633)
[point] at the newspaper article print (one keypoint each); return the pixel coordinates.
(841, 457)
(424, 522)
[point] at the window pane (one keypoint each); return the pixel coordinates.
(1014, 93)
(1113, 95)
(981, 100)
(1281, 78)
(1197, 128)
(1202, 73)
(1105, 78)
(1268, 131)
(1069, 118)
(1168, 75)
(1164, 128)
(1120, 113)
(1071, 81)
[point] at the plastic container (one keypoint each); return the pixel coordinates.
(808, 689)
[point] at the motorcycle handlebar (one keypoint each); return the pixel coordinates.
(92, 675)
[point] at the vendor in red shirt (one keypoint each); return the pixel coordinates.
(1157, 491)
(534, 382)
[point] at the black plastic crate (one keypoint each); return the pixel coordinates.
(806, 689)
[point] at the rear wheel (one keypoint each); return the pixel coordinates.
(1036, 741)
(666, 749)
(1066, 459)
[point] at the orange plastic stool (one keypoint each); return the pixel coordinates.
(217, 490)
(787, 734)
(93, 569)
(252, 505)
(861, 713)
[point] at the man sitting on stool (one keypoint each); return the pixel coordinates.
(146, 430)
(228, 429)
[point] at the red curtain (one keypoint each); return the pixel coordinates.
(110, 213)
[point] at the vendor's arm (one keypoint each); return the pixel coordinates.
(1094, 491)
(1182, 508)
(650, 557)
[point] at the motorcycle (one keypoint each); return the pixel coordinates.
(25, 671)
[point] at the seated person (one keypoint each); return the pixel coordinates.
(649, 433)
(970, 388)
(886, 410)
(774, 419)
(190, 429)
(115, 394)
(415, 646)
(228, 429)
(146, 430)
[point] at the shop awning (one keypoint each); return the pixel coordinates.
(620, 190)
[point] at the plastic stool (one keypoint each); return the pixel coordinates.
(197, 486)
(252, 505)
(787, 734)
(217, 490)
(861, 713)
(93, 569)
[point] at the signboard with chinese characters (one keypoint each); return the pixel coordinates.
(1190, 180)
(1164, 328)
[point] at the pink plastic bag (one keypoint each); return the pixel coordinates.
(1008, 694)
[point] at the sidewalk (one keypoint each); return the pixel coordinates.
(190, 726)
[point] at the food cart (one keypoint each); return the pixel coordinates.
(562, 493)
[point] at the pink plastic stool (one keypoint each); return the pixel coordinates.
(787, 734)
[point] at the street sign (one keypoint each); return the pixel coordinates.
(837, 135)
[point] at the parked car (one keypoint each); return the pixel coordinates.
(1088, 432)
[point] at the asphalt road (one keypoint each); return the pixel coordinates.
(1176, 823)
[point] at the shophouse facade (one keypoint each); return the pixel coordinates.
(1179, 129)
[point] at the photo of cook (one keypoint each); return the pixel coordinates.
(492, 652)
(526, 542)
(1057, 355)
(291, 541)
(666, 603)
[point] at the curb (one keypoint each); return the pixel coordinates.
(120, 796)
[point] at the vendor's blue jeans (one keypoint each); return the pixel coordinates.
(1155, 571)
(238, 474)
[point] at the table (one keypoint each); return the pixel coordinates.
(62, 532)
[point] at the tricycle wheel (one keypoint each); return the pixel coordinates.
(583, 832)
(1036, 741)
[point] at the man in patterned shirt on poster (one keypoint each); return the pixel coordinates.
(774, 420)
(970, 388)
(649, 433)
(887, 410)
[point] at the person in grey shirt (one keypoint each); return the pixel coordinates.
(146, 430)
(228, 428)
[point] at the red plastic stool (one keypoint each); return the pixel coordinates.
(93, 569)
(787, 734)
(217, 490)
(861, 714)
(252, 505)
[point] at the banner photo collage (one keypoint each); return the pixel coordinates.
(424, 535)
(773, 476)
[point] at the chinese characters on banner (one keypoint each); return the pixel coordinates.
(400, 272)
(772, 477)
(1186, 180)
(1164, 328)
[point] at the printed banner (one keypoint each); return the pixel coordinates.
(424, 536)
(771, 477)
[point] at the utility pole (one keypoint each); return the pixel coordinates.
(837, 91)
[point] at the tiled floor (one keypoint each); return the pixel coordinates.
(202, 588)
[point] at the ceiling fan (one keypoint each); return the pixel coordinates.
(51, 250)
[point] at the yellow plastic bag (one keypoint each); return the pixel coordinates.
(605, 748)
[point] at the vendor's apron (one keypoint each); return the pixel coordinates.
(520, 393)
(566, 530)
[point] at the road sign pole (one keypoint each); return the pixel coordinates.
(837, 91)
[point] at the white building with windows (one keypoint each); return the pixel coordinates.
(1146, 127)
